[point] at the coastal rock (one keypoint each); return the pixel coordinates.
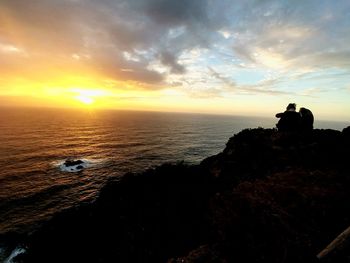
(69, 162)
(71, 165)
(268, 197)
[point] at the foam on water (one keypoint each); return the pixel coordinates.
(17, 251)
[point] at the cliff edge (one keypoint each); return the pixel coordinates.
(268, 197)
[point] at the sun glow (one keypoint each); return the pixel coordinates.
(88, 96)
(84, 99)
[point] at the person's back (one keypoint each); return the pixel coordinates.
(307, 119)
(290, 120)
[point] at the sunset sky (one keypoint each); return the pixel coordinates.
(211, 56)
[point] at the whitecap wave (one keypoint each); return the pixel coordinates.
(17, 251)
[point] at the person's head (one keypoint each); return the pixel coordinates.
(304, 111)
(291, 107)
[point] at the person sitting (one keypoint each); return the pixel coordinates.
(307, 119)
(290, 120)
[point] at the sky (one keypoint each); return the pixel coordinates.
(222, 57)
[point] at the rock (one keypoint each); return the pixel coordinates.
(72, 162)
(337, 250)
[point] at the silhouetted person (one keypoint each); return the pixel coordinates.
(307, 119)
(290, 120)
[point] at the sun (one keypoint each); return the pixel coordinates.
(90, 97)
(85, 99)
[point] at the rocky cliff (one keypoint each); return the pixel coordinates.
(268, 197)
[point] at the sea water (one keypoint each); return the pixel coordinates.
(34, 143)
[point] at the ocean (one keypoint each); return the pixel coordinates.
(34, 143)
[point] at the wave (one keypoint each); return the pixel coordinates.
(10, 256)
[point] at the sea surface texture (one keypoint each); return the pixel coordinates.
(34, 143)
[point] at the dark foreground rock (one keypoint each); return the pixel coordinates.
(268, 197)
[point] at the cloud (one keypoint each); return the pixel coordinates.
(263, 87)
(150, 42)
(175, 13)
(312, 34)
(104, 30)
(169, 60)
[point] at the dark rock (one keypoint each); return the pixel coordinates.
(73, 162)
(346, 132)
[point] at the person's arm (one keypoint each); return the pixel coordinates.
(279, 115)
